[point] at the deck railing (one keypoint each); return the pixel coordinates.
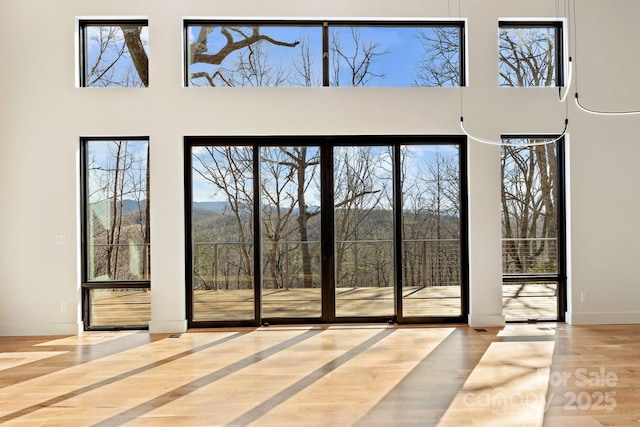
(530, 255)
(359, 263)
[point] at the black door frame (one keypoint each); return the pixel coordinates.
(560, 278)
(328, 280)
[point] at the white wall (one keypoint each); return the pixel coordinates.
(43, 115)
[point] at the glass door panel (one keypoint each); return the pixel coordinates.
(531, 228)
(290, 232)
(222, 233)
(431, 262)
(363, 209)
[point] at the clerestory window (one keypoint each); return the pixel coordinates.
(114, 53)
(530, 54)
(316, 53)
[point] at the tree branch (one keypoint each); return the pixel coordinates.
(199, 47)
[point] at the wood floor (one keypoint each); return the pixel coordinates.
(339, 375)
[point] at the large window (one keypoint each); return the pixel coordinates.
(114, 53)
(396, 55)
(116, 250)
(324, 53)
(532, 229)
(530, 54)
(315, 229)
(228, 54)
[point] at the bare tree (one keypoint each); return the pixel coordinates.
(527, 57)
(304, 66)
(245, 40)
(431, 224)
(119, 59)
(230, 169)
(529, 210)
(136, 48)
(278, 181)
(439, 64)
(118, 56)
(306, 172)
(253, 68)
(288, 174)
(529, 218)
(139, 178)
(118, 215)
(358, 59)
(357, 193)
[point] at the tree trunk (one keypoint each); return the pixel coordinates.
(146, 259)
(303, 219)
(137, 52)
(112, 266)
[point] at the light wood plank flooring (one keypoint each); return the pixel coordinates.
(334, 375)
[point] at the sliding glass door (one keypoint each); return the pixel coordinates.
(432, 230)
(290, 231)
(319, 229)
(363, 239)
(221, 233)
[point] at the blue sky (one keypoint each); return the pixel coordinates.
(417, 159)
(402, 49)
(94, 35)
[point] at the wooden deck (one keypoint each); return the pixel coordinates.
(326, 375)
(521, 302)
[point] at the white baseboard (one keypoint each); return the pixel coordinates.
(486, 320)
(167, 327)
(39, 329)
(621, 318)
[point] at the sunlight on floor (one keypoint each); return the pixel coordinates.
(270, 376)
(13, 359)
(509, 385)
(89, 338)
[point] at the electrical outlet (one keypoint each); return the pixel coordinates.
(63, 306)
(61, 239)
(584, 296)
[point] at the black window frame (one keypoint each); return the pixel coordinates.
(560, 277)
(559, 56)
(325, 25)
(88, 285)
(460, 24)
(82, 39)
